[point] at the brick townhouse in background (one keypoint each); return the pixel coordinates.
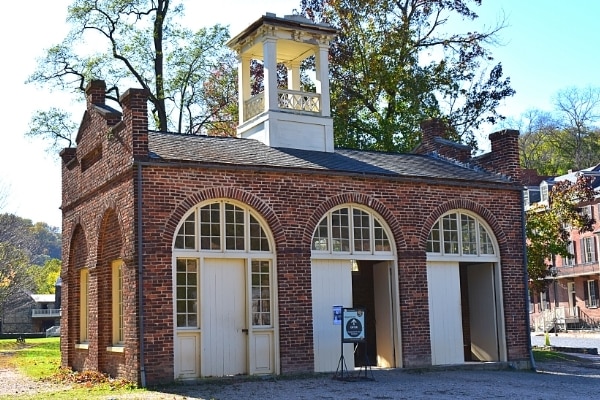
(571, 300)
(187, 256)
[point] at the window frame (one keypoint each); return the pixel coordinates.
(325, 231)
(570, 261)
(118, 315)
(451, 227)
(588, 250)
(84, 289)
(591, 294)
(249, 215)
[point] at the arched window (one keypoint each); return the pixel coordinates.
(458, 233)
(222, 226)
(351, 230)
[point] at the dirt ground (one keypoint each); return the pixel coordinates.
(576, 377)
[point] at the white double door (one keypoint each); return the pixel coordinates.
(220, 347)
(446, 315)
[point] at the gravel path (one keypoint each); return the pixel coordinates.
(565, 380)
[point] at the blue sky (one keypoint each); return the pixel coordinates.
(547, 46)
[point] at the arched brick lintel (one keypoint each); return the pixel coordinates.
(228, 193)
(360, 199)
(464, 204)
(102, 224)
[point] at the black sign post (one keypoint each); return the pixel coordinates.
(353, 331)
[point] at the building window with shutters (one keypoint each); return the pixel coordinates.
(570, 261)
(588, 250)
(591, 294)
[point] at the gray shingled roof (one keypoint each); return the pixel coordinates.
(251, 153)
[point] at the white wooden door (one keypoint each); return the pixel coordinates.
(445, 316)
(383, 315)
(331, 286)
(224, 326)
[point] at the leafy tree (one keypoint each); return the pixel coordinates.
(135, 42)
(548, 226)
(14, 274)
(385, 78)
(44, 278)
(536, 148)
(39, 241)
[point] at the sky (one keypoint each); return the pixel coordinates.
(547, 46)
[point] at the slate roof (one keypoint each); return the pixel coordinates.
(170, 147)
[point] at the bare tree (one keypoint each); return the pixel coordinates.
(135, 43)
(579, 110)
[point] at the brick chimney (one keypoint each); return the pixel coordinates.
(504, 157)
(435, 140)
(95, 93)
(135, 116)
(432, 128)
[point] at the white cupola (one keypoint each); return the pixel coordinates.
(289, 118)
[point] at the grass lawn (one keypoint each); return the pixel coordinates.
(40, 359)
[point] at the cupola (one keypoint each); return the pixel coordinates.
(285, 117)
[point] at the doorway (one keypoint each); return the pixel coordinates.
(464, 318)
(372, 289)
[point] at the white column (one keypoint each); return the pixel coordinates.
(243, 86)
(270, 68)
(322, 78)
(293, 75)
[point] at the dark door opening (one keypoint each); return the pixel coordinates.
(372, 289)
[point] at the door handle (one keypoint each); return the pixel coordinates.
(245, 331)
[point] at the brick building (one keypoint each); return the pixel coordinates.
(188, 256)
(571, 299)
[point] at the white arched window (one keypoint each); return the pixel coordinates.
(222, 226)
(351, 230)
(461, 234)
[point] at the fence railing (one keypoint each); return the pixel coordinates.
(44, 312)
(286, 100)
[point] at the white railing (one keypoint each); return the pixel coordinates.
(287, 100)
(44, 312)
(299, 101)
(254, 105)
(548, 319)
(53, 331)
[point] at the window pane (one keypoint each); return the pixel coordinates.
(258, 237)
(320, 238)
(485, 241)
(469, 234)
(382, 242)
(433, 240)
(210, 227)
(186, 237)
(362, 239)
(187, 292)
(261, 293)
(234, 227)
(340, 230)
(450, 236)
